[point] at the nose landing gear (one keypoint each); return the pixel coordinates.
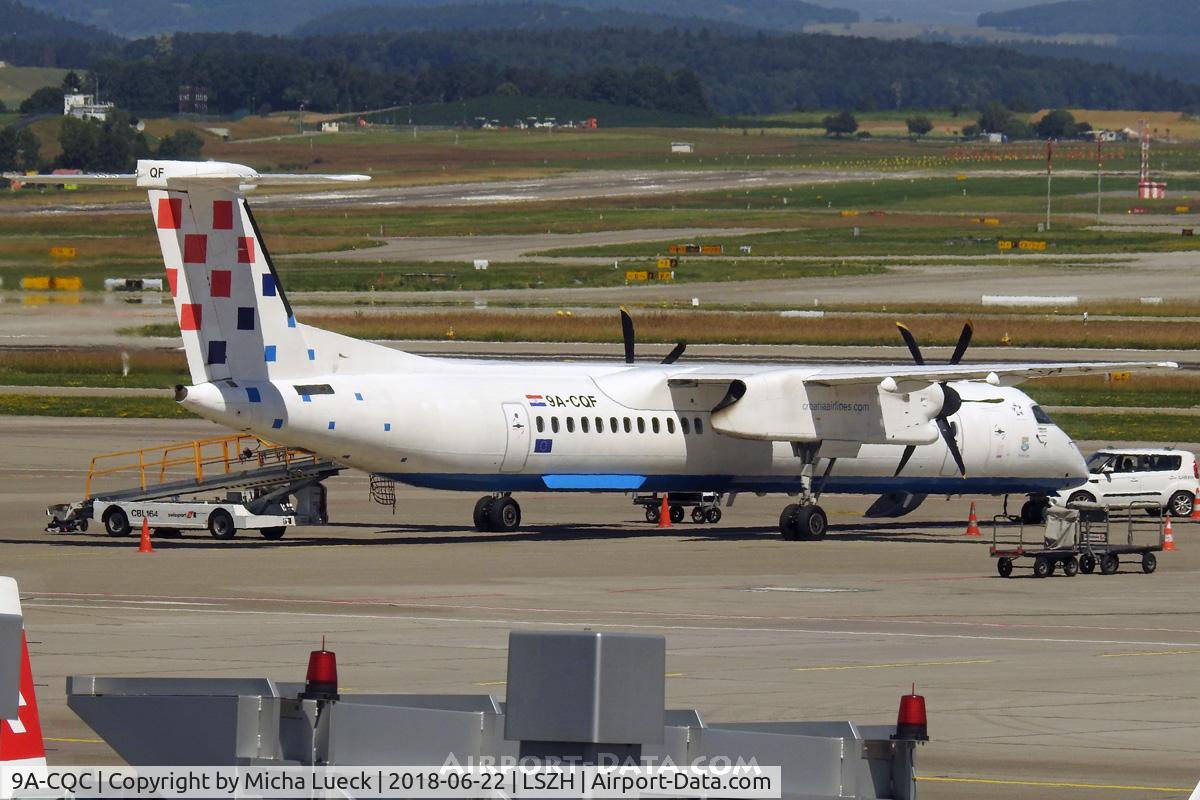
(498, 513)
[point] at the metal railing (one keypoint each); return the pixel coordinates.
(201, 459)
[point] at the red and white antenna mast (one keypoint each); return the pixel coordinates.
(1148, 189)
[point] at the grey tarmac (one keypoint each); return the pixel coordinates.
(1061, 687)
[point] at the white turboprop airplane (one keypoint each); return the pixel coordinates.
(499, 427)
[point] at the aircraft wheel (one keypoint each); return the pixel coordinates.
(653, 513)
(676, 513)
(1149, 563)
(220, 524)
(480, 517)
(1041, 567)
(787, 522)
(811, 522)
(1109, 563)
(1004, 567)
(273, 534)
(1070, 567)
(116, 522)
(1087, 563)
(81, 525)
(713, 515)
(504, 515)
(698, 515)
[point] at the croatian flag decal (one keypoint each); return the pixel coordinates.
(535, 399)
(542, 445)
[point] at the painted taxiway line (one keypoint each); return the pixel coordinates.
(1054, 784)
(893, 666)
(630, 625)
(411, 602)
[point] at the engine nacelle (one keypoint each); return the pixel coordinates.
(783, 406)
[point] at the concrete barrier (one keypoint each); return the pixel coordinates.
(1029, 300)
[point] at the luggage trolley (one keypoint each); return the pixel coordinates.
(706, 506)
(1080, 538)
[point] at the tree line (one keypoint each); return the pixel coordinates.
(689, 71)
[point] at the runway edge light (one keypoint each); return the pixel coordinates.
(911, 722)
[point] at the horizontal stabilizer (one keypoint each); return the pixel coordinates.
(179, 175)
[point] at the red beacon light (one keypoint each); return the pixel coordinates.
(911, 722)
(321, 683)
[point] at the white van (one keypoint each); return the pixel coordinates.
(1168, 477)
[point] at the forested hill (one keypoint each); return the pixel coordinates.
(408, 15)
(1124, 18)
(529, 16)
(737, 74)
(17, 20)
(138, 18)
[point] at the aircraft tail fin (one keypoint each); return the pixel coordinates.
(234, 317)
(21, 743)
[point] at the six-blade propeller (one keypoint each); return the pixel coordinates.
(951, 401)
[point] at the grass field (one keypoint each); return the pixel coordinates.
(543, 325)
(17, 83)
(119, 407)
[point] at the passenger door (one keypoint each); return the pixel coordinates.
(517, 450)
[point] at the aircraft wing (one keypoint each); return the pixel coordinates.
(181, 174)
(863, 404)
(995, 374)
(1004, 374)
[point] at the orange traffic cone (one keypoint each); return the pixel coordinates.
(1168, 535)
(144, 546)
(1196, 507)
(664, 514)
(973, 523)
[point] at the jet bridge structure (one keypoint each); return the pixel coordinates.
(583, 696)
(173, 485)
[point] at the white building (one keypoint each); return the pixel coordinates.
(85, 106)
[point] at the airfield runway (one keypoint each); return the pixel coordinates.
(1063, 687)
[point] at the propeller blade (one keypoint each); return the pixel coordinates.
(675, 353)
(964, 340)
(908, 453)
(948, 435)
(627, 334)
(911, 341)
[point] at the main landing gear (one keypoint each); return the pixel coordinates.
(806, 519)
(498, 513)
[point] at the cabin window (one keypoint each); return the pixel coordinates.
(570, 424)
(684, 425)
(612, 424)
(599, 424)
(699, 426)
(628, 428)
(541, 425)
(654, 424)
(670, 425)
(641, 425)
(583, 424)
(554, 424)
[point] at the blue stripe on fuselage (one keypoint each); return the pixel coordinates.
(608, 482)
